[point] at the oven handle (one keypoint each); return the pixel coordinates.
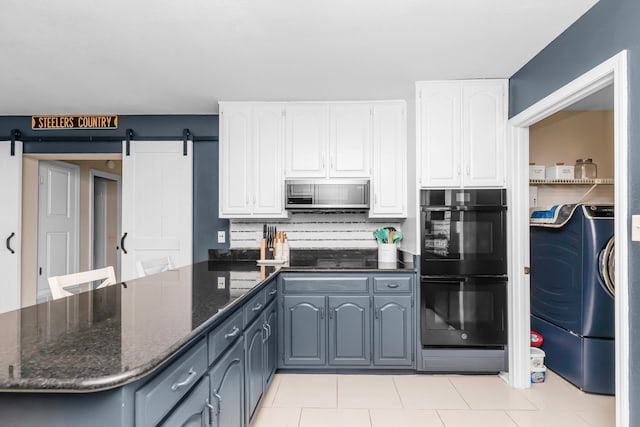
(463, 208)
(458, 279)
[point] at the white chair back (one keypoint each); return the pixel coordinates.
(57, 284)
(153, 266)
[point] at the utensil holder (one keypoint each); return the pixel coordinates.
(387, 256)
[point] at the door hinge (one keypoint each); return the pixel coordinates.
(527, 270)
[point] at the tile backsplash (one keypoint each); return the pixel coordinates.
(313, 230)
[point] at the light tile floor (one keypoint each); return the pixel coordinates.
(320, 400)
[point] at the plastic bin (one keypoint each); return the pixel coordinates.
(538, 375)
(537, 358)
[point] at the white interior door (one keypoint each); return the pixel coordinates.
(58, 222)
(10, 224)
(157, 203)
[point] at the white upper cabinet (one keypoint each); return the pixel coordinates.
(251, 144)
(261, 143)
(349, 140)
(461, 133)
(389, 178)
(306, 140)
(328, 140)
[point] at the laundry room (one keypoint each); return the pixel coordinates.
(571, 201)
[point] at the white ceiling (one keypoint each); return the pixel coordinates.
(183, 56)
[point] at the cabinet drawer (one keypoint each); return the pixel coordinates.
(326, 284)
(253, 307)
(271, 290)
(224, 335)
(392, 284)
(193, 407)
(156, 398)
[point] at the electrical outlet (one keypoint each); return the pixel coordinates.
(221, 282)
(222, 238)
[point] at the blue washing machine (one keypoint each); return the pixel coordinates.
(573, 293)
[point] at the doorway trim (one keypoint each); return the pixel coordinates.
(613, 71)
(113, 177)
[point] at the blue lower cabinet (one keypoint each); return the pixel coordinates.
(304, 335)
(349, 330)
(393, 330)
(156, 398)
(193, 411)
(227, 388)
(271, 343)
(254, 337)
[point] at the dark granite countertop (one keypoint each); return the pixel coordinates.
(108, 337)
(320, 260)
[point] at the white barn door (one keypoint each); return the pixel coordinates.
(157, 203)
(10, 224)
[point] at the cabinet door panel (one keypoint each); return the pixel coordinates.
(267, 154)
(349, 330)
(235, 150)
(227, 388)
(440, 136)
(484, 134)
(271, 345)
(350, 140)
(254, 358)
(306, 140)
(389, 178)
(393, 330)
(304, 330)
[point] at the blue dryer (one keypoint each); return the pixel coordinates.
(572, 293)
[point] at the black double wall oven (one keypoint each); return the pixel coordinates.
(463, 300)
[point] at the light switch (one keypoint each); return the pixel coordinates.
(635, 228)
(221, 236)
(221, 282)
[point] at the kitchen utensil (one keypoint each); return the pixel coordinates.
(390, 238)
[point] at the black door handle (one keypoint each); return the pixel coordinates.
(9, 243)
(124, 236)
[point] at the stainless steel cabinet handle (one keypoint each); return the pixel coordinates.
(392, 285)
(377, 310)
(257, 307)
(211, 413)
(273, 292)
(268, 329)
(190, 377)
(219, 399)
(234, 333)
(9, 243)
(265, 335)
(331, 310)
(322, 313)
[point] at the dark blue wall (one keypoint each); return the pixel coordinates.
(204, 129)
(608, 28)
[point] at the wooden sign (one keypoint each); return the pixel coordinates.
(74, 122)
